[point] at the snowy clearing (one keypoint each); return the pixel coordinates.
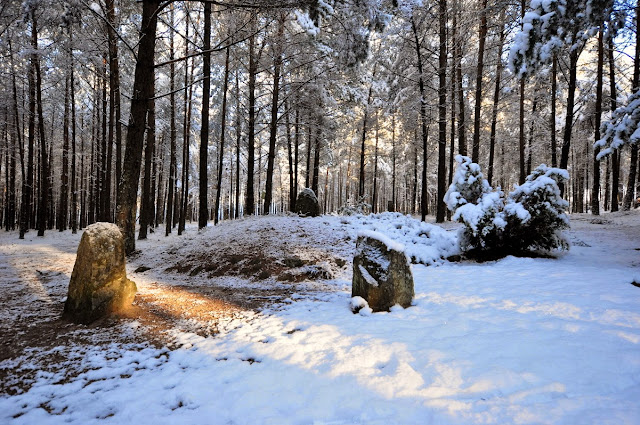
(250, 322)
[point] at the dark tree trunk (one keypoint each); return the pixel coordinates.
(146, 204)
(531, 133)
(74, 184)
(457, 49)
(105, 197)
(238, 142)
(629, 196)
(482, 35)
(44, 162)
(203, 209)
(552, 119)
(496, 99)
(142, 92)
(292, 188)
(374, 198)
(595, 191)
(316, 155)
(223, 129)
(424, 206)
(186, 130)
(615, 158)
(249, 205)
(521, 141)
(566, 138)
(114, 89)
(64, 178)
(273, 127)
(442, 110)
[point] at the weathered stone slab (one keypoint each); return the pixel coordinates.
(99, 284)
(307, 204)
(381, 272)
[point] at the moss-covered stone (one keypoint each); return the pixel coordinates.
(99, 284)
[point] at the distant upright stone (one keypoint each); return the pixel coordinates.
(307, 204)
(381, 272)
(99, 284)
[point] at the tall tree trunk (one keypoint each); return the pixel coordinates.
(146, 204)
(64, 178)
(273, 127)
(595, 191)
(424, 206)
(249, 205)
(292, 188)
(238, 142)
(531, 133)
(159, 160)
(142, 92)
(105, 197)
(316, 151)
(26, 187)
(223, 129)
(615, 158)
(552, 119)
(114, 89)
(74, 184)
(203, 209)
(496, 99)
(442, 109)
(571, 89)
(361, 182)
(374, 198)
(173, 160)
(393, 162)
(629, 196)
(186, 130)
(521, 141)
(482, 35)
(457, 53)
(44, 162)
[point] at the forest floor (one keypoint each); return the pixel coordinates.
(248, 322)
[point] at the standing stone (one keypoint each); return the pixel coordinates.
(307, 204)
(381, 272)
(99, 284)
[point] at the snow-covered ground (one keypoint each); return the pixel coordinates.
(249, 323)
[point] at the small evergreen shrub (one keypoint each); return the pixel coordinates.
(529, 220)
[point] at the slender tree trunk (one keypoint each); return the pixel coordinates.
(442, 109)
(374, 198)
(44, 162)
(186, 130)
(18, 139)
(393, 162)
(631, 181)
(142, 92)
(316, 154)
(552, 119)
(146, 204)
(531, 133)
(361, 175)
(566, 138)
(424, 206)
(482, 35)
(457, 52)
(249, 205)
(307, 180)
(74, 184)
(273, 128)
(238, 142)
(223, 128)
(173, 160)
(496, 99)
(105, 197)
(159, 160)
(203, 209)
(595, 191)
(521, 141)
(615, 158)
(64, 178)
(292, 188)
(114, 89)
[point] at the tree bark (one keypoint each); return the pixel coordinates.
(223, 128)
(44, 162)
(249, 205)
(615, 158)
(442, 110)
(629, 197)
(566, 138)
(482, 35)
(203, 209)
(142, 92)
(595, 191)
(496, 99)
(273, 127)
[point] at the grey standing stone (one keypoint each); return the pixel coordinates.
(99, 284)
(307, 204)
(381, 273)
